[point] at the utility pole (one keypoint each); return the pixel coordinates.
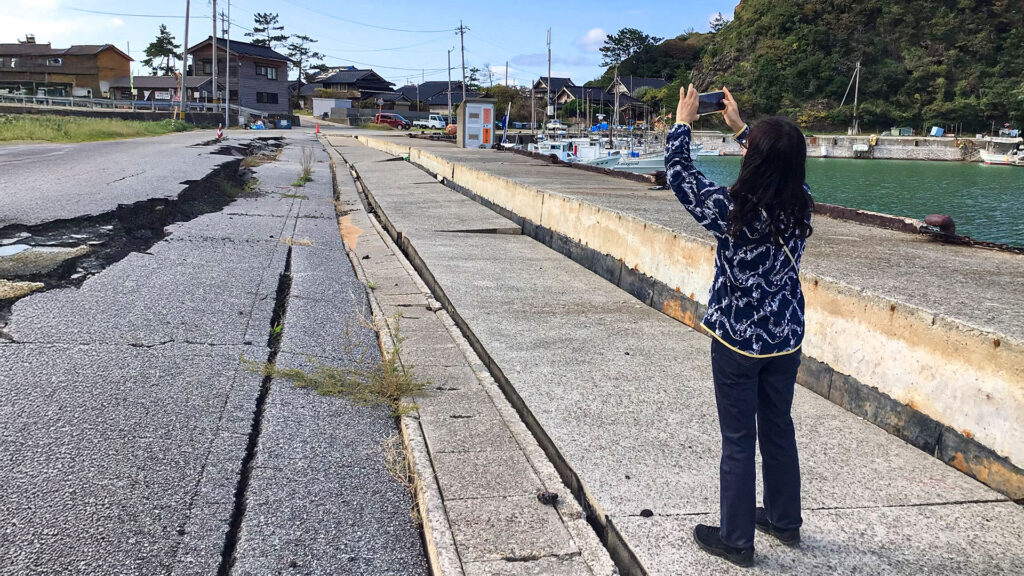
(226, 26)
(450, 85)
(184, 66)
(462, 43)
(213, 45)
(548, 110)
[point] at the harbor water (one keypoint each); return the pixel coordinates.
(987, 202)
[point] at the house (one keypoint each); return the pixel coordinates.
(540, 87)
(438, 103)
(158, 88)
(597, 97)
(356, 84)
(258, 74)
(41, 70)
(630, 84)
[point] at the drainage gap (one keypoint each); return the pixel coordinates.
(64, 253)
(276, 331)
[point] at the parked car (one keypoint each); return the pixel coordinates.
(393, 120)
(555, 125)
(435, 121)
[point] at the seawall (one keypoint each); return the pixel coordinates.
(923, 339)
(884, 147)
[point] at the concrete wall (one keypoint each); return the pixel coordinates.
(950, 389)
(886, 148)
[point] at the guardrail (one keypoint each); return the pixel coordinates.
(132, 105)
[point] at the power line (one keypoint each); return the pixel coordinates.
(350, 21)
(101, 13)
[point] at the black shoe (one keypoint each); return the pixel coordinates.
(787, 537)
(709, 540)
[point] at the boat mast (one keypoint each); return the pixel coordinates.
(854, 82)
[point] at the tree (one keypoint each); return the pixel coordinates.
(301, 55)
(489, 74)
(162, 54)
(265, 30)
(473, 79)
(717, 22)
(625, 43)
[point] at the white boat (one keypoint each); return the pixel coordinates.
(1003, 152)
(561, 149)
(649, 163)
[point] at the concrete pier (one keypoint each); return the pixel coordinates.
(926, 340)
(922, 340)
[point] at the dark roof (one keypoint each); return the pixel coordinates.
(442, 96)
(32, 49)
(632, 82)
(428, 89)
(245, 49)
(353, 76)
(310, 89)
(556, 83)
(393, 97)
(599, 95)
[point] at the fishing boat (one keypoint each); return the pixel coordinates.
(639, 163)
(1003, 152)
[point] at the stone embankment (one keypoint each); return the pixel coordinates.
(865, 146)
(923, 339)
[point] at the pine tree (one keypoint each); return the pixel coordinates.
(265, 30)
(301, 55)
(162, 54)
(717, 22)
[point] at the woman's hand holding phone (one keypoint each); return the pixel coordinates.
(686, 110)
(731, 114)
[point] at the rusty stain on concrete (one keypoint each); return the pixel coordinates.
(349, 232)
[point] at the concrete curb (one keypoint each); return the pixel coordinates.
(439, 542)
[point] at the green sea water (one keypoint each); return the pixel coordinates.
(986, 202)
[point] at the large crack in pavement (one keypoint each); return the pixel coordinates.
(65, 253)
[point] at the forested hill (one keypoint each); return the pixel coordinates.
(923, 61)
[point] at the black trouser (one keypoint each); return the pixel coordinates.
(754, 397)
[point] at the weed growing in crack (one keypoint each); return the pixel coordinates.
(295, 196)
(308, 158)
(396, 461)
(258, 159)
(388, 382)
(371, 285)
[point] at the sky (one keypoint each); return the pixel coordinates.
(402, 41)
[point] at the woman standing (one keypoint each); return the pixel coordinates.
(755, 317)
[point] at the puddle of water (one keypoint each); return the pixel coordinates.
(13, 249)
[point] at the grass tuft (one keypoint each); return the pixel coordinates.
(388, 382)
(52, 128)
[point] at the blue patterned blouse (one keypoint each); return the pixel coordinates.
(756, 306)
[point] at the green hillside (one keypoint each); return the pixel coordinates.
(923, 62)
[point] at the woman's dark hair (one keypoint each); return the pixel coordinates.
(772, 178)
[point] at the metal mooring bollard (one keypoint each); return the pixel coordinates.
(943, 222)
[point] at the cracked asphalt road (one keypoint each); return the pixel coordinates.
(126, 410)
(91, 178)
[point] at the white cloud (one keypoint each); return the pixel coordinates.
(117, 22)
(592, 40)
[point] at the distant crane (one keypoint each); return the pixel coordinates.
(855, 128)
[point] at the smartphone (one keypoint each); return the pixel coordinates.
(711, 102)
